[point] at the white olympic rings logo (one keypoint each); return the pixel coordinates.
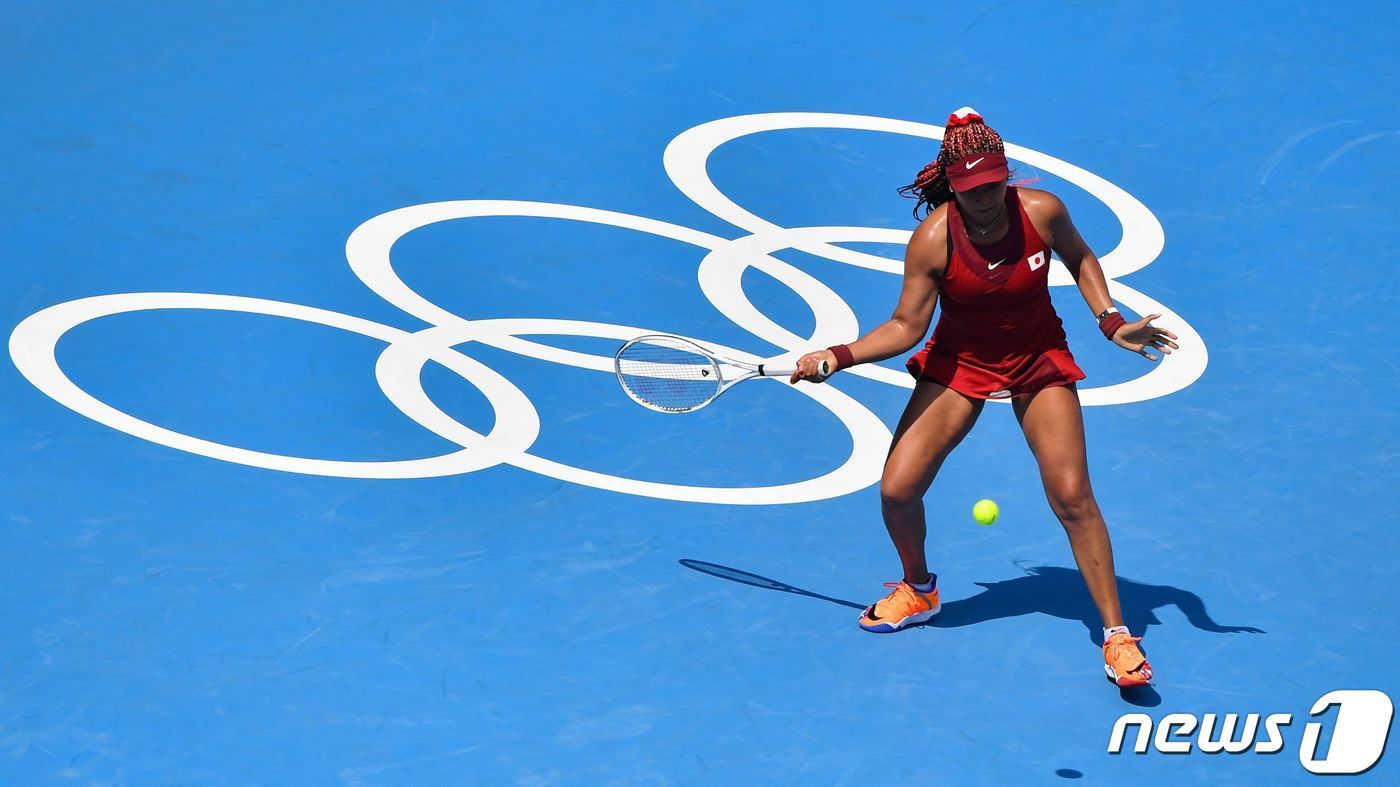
(517, 423)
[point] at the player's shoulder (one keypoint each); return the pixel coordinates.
(934, 227)
(1040, 203)
(928, 248)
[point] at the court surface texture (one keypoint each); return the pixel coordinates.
(315, 469)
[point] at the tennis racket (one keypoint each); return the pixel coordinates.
(670, 374)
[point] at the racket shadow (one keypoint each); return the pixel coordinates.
(746, 578)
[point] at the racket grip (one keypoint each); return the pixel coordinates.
(787, 371)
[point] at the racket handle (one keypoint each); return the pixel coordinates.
(787, 371)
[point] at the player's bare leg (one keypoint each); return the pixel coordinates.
(934, 422)
(1054, 427)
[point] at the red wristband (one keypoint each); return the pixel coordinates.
(1111, 324)
(844, 359)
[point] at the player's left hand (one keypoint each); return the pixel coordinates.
(1142, 335)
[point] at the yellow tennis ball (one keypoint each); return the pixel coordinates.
(985, 512)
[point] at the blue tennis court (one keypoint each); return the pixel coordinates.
(316, 470)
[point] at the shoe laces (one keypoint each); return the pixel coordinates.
(900, 589)
(1118, 643)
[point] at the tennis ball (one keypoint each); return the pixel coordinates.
(985, 512)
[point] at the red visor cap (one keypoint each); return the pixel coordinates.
(977, 169)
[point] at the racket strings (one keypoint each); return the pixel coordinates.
(668, 373)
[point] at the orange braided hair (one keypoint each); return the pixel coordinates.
(965, 135)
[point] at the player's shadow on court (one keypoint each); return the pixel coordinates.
(1052, 590)
(1046, 590)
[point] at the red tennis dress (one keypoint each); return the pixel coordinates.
(998, 335)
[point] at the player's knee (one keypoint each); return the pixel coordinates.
(1072, 500)
(898, 494)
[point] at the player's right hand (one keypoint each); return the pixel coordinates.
(809, 366)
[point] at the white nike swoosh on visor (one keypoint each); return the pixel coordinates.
(972, 164)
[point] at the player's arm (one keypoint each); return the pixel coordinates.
(1070, 247)
(925, 259)
(1088, 274)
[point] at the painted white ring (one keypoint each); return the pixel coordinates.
(368, 247)
(34, 340)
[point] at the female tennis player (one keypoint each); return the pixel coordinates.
(984, 246)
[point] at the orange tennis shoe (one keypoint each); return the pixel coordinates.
(905, 606)
(1124, 663)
